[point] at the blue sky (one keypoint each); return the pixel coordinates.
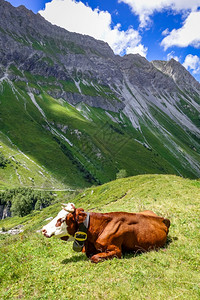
(155, 29)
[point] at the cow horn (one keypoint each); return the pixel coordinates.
(64, 205)
(67, 207)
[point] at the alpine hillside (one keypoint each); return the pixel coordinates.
(72, 113)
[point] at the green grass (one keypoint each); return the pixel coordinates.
(26, 131)
(101, 145)
(33, 267)
(183, 140)
(69, 86)
(98, 90)
(93, 157)
(190, 111)
(20, 166)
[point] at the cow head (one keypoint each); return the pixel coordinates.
(74, 219)
(58, 226)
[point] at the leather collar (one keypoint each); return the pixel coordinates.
(81, 235)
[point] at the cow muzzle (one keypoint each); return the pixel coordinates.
(44, 232)
(58, 227)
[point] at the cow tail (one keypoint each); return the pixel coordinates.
(167, 222)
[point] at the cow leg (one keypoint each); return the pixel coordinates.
(111, 252)
(90, 249)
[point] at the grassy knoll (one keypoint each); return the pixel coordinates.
(33, 267)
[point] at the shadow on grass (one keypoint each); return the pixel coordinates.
(126, 255)
(74, 258)
(129, 255)
(170, 240)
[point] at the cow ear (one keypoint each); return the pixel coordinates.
(70, 216)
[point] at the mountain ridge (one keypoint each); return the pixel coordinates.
(181, 73)
(72, 88)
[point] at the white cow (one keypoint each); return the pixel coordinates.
(57, 227)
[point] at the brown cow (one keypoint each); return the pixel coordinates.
(109, 234)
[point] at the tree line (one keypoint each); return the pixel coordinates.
(23, 201)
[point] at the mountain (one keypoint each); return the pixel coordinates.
(72, 113)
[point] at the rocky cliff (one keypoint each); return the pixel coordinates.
(5, 211)
(156, 104)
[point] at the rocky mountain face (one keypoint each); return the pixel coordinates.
(153, 108)
(178, 73)
(5, 211)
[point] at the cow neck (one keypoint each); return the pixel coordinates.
(81, 234)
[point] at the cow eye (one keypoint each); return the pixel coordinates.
(59, 222)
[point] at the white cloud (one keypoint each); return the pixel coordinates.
(78, 17)
(172, 55)
(192, 62)
(187, 35)
(145, 8)
(166, 31)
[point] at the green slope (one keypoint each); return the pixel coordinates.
(76, 146)
(34, 267)
(22, 124)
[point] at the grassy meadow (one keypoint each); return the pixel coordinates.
(33, 267)
(52, 144)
